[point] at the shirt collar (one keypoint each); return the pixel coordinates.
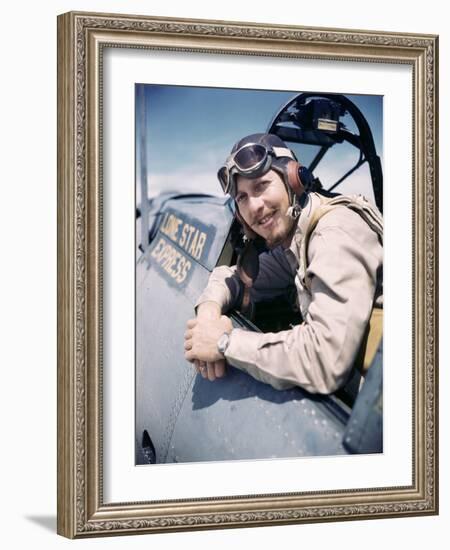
(312, 201)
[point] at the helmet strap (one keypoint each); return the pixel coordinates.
(295, 209)
(296, 189)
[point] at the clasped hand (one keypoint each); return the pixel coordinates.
(200, 344)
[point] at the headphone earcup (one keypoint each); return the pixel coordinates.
(293, 174)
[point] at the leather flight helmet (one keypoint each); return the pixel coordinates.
(253, 156)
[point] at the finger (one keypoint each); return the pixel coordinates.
(191, 323)
(188, 334)
(202, 368)
(220, 368)
(188, 345)
(189, 355)
(211, 372)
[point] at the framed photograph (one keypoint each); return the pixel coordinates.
(185, 227)
(151, 437)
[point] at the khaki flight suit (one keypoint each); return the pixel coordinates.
(338, 279)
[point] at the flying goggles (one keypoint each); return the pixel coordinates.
(251, 160)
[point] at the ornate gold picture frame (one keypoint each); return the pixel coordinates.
(83, 39)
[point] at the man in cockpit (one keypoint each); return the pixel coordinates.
(328, 248)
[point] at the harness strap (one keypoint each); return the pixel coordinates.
(356, 203)
(371, 341)
(247, 268)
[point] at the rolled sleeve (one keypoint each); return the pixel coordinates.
(244, 352)
(224, 288)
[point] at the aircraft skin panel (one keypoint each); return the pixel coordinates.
(161, 370)
(238, 418)
(170, 276)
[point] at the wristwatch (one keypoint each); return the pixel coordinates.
(223, 342)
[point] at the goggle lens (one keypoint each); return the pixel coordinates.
(250, 157)
(224, 178)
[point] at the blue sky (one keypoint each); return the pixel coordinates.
(189, 131)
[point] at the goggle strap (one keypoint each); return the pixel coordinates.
(229, 163)
(283, 152)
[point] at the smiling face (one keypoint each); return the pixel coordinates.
(263, 203)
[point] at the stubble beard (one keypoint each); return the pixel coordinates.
(284, 236)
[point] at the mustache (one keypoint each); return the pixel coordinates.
(257, 219)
